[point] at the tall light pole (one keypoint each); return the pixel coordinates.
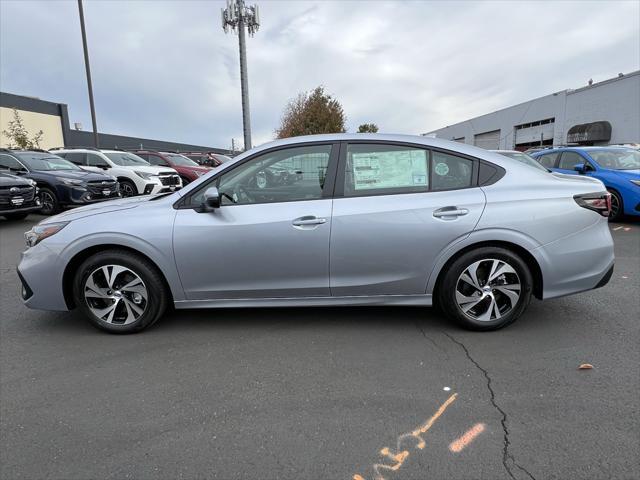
(238, 16)
(88, 69)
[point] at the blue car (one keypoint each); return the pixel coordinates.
(617, 167)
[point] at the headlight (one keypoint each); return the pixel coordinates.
(144, 175)
(33, 183)
(636, 182)
(70, 181)
(40, 232)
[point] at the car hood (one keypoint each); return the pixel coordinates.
(75, 174)
(8, 180)
(153, 170)
(98, 208)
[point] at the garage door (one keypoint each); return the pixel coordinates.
(488, 140)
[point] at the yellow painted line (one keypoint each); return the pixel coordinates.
(469, 436)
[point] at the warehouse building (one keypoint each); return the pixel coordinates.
(602, 113)
(53, 119)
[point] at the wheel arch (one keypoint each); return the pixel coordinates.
(526, 255)
(81, 256)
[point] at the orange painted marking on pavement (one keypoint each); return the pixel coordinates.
(400, 457)
(469, 436)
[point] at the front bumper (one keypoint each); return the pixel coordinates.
(40, 273)
(86, 195)
(31, 207)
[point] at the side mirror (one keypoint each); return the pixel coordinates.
(211, 200)
(580, 168)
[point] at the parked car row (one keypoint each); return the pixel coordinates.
(68, 177)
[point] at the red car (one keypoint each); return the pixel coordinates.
(186, 168)
(207, 158)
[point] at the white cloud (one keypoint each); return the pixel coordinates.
(166, 70)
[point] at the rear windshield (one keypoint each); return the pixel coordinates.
(181, 160)
(126, 159)
(617, 159)
(524, 158)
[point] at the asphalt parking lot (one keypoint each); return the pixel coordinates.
(339, 393)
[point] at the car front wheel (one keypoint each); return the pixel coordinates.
(486, 289)
(617, 208)
(127, 188)
(49, 202)
(120, 292)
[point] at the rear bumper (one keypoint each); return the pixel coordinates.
(578, 262)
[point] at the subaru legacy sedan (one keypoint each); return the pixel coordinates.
(371, 220)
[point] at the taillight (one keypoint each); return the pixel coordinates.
(598, 202)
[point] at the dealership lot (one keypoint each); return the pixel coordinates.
(319, 393)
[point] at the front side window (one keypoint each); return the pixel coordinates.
(548, 159)
(292, 174)
(569, 160)
(181, 160)
(7, 162)
(450, 171)
(372, 169)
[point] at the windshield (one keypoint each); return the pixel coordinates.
(524, 158)
(126, 159)
(617, 159)
(46, 161)
(181, 160)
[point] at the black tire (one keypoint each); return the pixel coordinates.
(617, 207)
(15, 216)
(154, 283)
(447, 288)
(49, 200)
(128, 188)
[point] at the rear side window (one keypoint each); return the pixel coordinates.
(94, 160)
(374, 169)
(450, 171)
(568, 160)
(79, 158)
(548, 159)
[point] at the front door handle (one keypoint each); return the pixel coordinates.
(450, 212)
(308, 220)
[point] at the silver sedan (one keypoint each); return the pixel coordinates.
(357, 220)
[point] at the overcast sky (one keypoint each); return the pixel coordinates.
(166, 70)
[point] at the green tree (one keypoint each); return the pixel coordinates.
(18, 136)
(368, 128)
(312, 113)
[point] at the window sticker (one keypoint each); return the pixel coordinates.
(394, 169)
(441, 169)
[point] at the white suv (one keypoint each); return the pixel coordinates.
(135, 175)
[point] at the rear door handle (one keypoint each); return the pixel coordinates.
(450, 212)
(308, 220)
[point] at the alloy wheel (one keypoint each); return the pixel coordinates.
(48, 202)
(615, 206)
(488, 290)
(116, 294)
(126, 190)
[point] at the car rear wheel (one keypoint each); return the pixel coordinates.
(120, 292)
(49, 202)
(617, 207)
(127, 188)
(486, 289)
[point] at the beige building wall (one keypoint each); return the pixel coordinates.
(51, 126)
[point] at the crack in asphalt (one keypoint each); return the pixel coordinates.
(506, 455)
